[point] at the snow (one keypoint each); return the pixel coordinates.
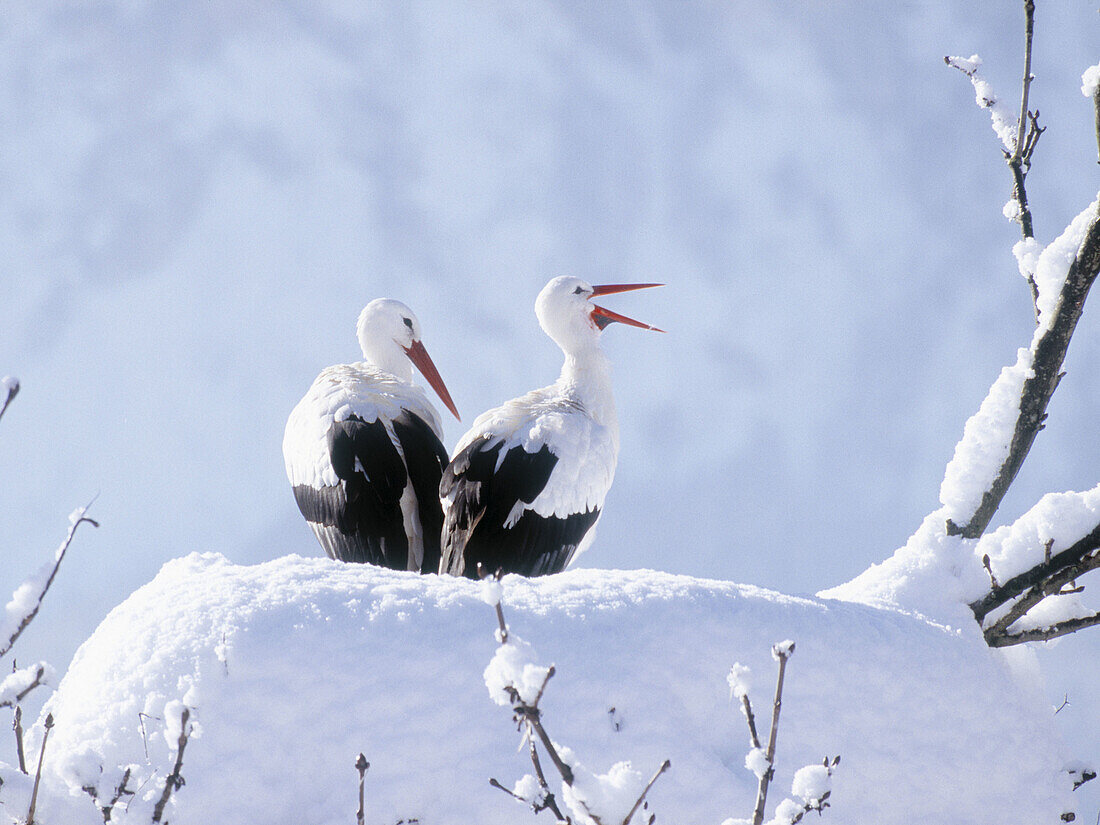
(513, 666)
(1054, 262)
(1090, 81)
(200, 203)
(739, 679)
(19, 680)
(811, 782)
(757, 761)
(1004, 119)
(610, 796)
(984, 446)
(292, 667)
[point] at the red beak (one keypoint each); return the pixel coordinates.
(602, 317)
(419, 356)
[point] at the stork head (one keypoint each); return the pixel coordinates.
(389, 334)
(567, 315)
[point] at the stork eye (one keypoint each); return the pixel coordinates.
(408, 322)
(579, 290)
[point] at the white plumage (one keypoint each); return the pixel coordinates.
(363, 448)
(526, 485)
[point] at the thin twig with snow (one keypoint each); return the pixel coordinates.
(27, 598)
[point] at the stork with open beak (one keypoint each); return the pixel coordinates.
(527, 483)
(363, 448)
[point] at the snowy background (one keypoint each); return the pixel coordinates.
(198, 199)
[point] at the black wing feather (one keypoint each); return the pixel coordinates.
(425, 458)
(484, 496)
(360, 520)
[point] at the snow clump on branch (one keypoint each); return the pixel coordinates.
(610, 795)
(513, 667)
(1090, 81)
(1004, 119)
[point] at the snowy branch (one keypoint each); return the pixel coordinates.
(1058, 292)
(174, 781)
(812, 784)
(27, 599)
(20, 683)
(1048, 351)
(781, 652)
(38, 773)
(514, 680)
(1027, 589)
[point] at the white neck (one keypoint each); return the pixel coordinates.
(388, 356)
(586, 377)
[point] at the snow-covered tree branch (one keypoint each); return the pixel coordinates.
(999, 436)
(812, 783)
(515, 680)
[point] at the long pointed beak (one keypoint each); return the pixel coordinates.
(423, 362)
(610, 289)
(602, 316)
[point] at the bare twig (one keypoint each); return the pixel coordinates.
(13, 389)
(664, 767)
(989, 569)
(782, 654)
(1029, 27)
(496, 784)
(120, 791)
(49, 581)
(38, 773)
(17, 726)
(361, 765)
(483, 573)
(175, 779)
(750, 718)
(1019, 161)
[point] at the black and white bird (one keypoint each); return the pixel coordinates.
(527, 483)
(363, 448)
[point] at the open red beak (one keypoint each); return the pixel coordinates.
(602, 317)
(423, 362)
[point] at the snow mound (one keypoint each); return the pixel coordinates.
(290, 668)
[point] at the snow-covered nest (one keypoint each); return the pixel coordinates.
(293, 667)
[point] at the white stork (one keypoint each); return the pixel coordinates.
(527, 483)
(363, 448)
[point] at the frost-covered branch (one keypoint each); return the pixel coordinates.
(27, 599)
(781, 652)
(1033, 583)
(15, 688)
(17, 727)
(812, 783)
(514, 680)
(1000, 435)
(9, 388)
(1038, 372)
(174, 781)
(38, 773)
